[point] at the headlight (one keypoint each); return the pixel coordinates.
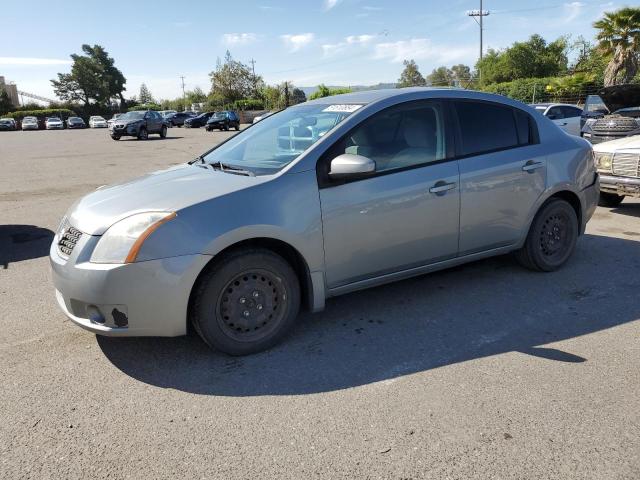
(590, 121)
(603, 161)
(123, 240)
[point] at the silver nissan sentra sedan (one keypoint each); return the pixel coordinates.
(321, 199)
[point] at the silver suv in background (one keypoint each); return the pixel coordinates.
(318, 200)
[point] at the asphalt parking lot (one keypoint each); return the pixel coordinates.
(482, 371)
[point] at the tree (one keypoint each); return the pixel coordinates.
(410, 76)
(6, 105)
(324, 91)
(233, 80)
(93, 78)
(440, 77)
(298, 96)
(530, 59)
(196, 96)
(619, 36)
(145, 96)
(461, 74)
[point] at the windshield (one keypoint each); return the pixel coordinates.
(137, 115)
(276, 141)
(595, 104)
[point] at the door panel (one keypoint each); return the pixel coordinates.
(497, 196)
(390, 223)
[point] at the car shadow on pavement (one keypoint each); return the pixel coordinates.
(23, 242)
(134, 139)
(628, 209)
(469, 312)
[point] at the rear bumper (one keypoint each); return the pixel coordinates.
(147, 298)
(589, 198)
(620, 185)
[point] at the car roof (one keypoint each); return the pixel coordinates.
(368, 97)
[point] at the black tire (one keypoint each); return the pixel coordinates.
(163, 132)
(143, 134)
(115, 137)
(246, 302)
(610, 200)
(226, 128)
(552, 237)
(237, 128)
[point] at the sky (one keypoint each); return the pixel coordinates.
(307, 42)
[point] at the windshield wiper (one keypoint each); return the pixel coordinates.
(199, 158)
(225, 167)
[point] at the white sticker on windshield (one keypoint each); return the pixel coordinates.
(342, 108)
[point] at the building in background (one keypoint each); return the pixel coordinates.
(12, 91)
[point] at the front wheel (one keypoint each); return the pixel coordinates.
(143, 134)
(115, 137)
(246, 302)
(237, 128)
(552, 237)
(610, 200)
(163, 132)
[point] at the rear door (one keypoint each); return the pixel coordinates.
(556, 115)
(502, 173)
(571, 119)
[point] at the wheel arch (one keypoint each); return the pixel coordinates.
(288, 252)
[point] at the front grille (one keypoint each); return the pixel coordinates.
(626, 164)
(68, 240)
(615, 124)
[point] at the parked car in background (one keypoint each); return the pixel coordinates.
(623, 101)
(53, 123)
(30, 123)
(76, 122)
(566, 116)
(262, 116)
(139, 124)
(618, 162)
(166, 113)
(96, 121)
(223, 121)
(7, 124)
(321, 199)
(198, 121)
(177, 119)
(113, 119)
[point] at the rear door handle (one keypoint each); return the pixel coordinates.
(441, 187)
(531, 166)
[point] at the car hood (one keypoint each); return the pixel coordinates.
(626, 143)
(166, 190)
(127, 122)
(621, 96)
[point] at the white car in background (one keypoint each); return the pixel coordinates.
(262, 116)
(53, 123)
(113, 119)
(618, 163)
(97, 121)
(566, 116)
(30, 123)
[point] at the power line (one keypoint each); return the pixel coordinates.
(184, 97)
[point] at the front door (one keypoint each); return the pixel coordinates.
(406, 214)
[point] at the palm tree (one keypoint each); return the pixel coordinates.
(619, 36)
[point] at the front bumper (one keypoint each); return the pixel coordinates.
(627, 186)
(147, 298)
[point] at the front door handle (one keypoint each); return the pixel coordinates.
(441, 187)
(531, 166)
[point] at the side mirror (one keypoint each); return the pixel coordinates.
(348, 165)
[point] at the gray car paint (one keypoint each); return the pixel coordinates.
(350, 236)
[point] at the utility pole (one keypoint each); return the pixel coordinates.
(475, 14)
(184, 98)
(286, 94)
(253, 70)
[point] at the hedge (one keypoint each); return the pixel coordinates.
(522, 89)
(47, 112)
(148, 106)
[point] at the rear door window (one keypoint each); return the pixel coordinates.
(486, 127)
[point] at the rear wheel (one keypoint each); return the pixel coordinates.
(143, 134)
(610, 200)
(552, 237)
(163, 132)
(237, 128)
(246, 302)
